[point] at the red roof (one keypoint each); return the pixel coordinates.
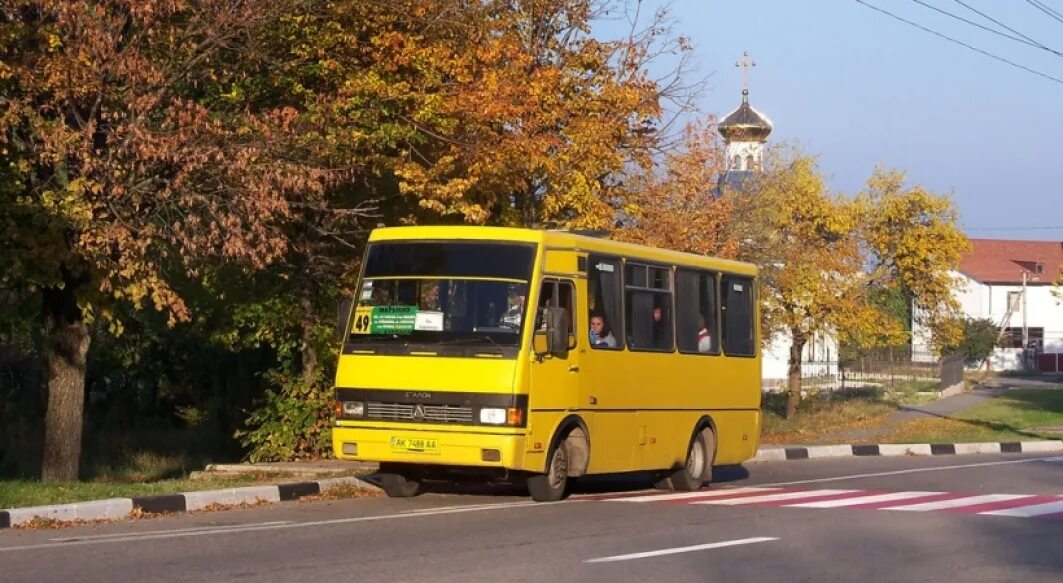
(1003, 261)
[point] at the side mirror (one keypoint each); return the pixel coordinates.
(557, 332)
(343, 312)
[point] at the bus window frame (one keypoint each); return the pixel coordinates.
(753, 327)
(620, 337)
(718, 320)
(555, 302)
(671, 294)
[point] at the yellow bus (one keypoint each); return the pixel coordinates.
(508, 354)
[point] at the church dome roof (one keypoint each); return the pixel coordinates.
(745, 124)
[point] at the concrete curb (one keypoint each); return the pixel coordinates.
(903, 449)
(118, 508)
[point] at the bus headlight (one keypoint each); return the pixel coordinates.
(498, 416)
(353, 408)
(493, 415)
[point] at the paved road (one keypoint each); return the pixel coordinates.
(749, 527)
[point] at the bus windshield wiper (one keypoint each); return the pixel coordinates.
(484, 339)
(371, 337)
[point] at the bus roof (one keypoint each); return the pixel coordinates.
(559, 239)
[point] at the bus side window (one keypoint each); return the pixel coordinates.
(603, 298)
(696, 312)
(648, 295)
(737, 305)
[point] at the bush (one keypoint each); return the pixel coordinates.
(979, 339)
(293, 421)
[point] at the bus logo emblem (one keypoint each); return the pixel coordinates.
(418, 412)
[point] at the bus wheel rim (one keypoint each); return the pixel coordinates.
(695, 460)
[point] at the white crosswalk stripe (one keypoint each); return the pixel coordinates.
(687, 495)
(1028, 511)
(773, 497)
(871, 499)
(957, 502)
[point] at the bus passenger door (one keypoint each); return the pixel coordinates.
(554, 378)
(605, 371)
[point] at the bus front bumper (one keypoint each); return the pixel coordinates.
(427, 446)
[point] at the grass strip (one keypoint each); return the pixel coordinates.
(25, 493)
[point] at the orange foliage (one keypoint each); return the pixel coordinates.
(126, 166)
(676, 209)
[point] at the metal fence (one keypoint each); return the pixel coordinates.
(892, 370)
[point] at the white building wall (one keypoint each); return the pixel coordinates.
(978, 300)
(743, 150)
(819, 358)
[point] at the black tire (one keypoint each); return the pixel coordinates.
(551, 486)
(698, 467)
(398, 485)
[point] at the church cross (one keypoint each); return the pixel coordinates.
(745, 64)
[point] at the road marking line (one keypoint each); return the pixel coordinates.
(150, 532)
(685, 495)
(133, 537)
(956, 502)
(917, 470)
(856, 500)
(677, 550)
(1028, 511)
(775, 497)
(469, 507)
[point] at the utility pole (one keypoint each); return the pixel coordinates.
(1025, 330)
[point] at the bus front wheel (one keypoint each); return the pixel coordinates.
(398, 485)
(698, 467)
(550, 487)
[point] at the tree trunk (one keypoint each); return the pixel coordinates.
(794, 381)
(67, 344)
(309, 353)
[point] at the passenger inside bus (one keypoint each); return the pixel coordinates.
(704, 339)
(600, 335)
(662, 335)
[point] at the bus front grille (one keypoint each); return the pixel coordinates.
(427, 414)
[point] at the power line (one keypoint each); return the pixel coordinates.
(1046, 9)
(990, 18)
(961, 43)
(986, 28)
(1024, 40)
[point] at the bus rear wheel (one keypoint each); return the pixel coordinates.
(698, 467)
(550, 487)
(397, 485)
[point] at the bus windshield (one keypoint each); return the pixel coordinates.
(443, 293)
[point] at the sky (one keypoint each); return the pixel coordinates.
(859, 89)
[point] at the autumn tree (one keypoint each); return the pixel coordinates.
(133, 162)
(910, 239)
(519, 115)
(676, 207)
(804, 240)
(845, 266)
(440, 111)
